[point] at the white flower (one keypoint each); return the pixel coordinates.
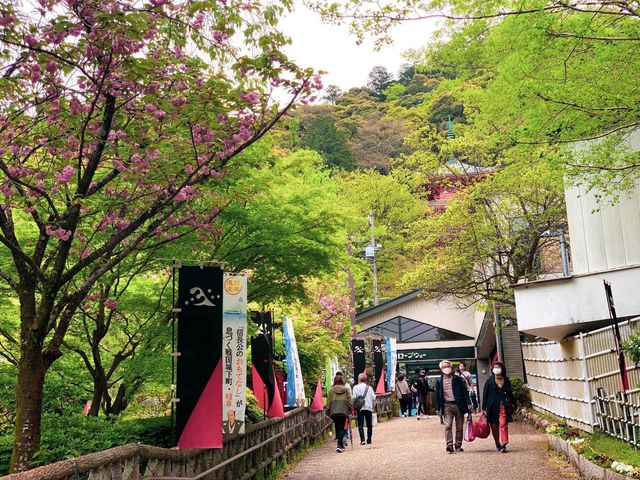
(621, 467)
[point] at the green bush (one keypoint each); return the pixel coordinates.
(520, 392)
(66, 437)
(253, 413)
(6, 445)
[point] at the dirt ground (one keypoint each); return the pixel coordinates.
(405, 448)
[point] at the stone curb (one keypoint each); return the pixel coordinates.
(586, 469)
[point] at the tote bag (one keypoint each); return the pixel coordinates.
(469, 436)
(481, 427)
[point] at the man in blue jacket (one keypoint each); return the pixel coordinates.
(452, 403)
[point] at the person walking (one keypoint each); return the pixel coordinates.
(339, 405)
(363, 392)
(423, 393)
(498, 405)
(452, 403)
(403, 392)
(464, 373)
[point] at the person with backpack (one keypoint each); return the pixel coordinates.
(339, 405)
(363, 402)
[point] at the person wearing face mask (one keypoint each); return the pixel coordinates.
(464, 373)
(498, 405)
(452, 403)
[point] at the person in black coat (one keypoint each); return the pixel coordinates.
(498, 405)
(452, 403)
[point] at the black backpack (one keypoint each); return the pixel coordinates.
(358, 402)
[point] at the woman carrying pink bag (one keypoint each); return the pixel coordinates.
(498, 405)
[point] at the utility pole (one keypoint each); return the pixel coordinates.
(370, 255)
(352, 289)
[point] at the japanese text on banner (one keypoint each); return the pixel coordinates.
(234, 328)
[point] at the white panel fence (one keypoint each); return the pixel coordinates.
(564, 377)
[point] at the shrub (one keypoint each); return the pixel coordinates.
(66, 437)
(253, 413)
(520, 392)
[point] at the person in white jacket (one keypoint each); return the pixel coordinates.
(363, 389)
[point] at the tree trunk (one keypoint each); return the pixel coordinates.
(120, 403)
(98, 392)
(28, 402)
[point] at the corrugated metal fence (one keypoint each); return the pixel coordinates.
(564, 377)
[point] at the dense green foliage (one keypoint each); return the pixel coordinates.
(70, 436)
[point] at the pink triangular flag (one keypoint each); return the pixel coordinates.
(380, 386)
(317, 403)
(276, 409)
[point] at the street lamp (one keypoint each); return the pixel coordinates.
(370, 256)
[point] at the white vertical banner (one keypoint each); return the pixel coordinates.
(234, 351)
(295, 384)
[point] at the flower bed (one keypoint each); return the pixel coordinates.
(578, 447)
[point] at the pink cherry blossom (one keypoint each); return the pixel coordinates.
(65, 175)
(111, 304)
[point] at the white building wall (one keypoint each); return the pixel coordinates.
(604, 236)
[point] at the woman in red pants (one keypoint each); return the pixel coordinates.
(498, 405)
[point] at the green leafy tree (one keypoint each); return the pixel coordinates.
(379, 79)
(325, 138)
(488, 237)
(332, 93)
(115, 115)
(394, 207)
(536, 72)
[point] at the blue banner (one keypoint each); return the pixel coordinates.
(392, 358)
(295, 384)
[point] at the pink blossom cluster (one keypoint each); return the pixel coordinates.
(59, 233)
(251, 97)
(65, 175)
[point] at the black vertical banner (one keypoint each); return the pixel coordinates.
(199, 369)
(262, 374)
(359, 359)
(378, 360)
(264, 321)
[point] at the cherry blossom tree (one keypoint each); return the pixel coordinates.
(115, 115)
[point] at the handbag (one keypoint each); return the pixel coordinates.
(469, 436)
(374, 419)
(481, 427)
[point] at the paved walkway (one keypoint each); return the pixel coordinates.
(404, 448)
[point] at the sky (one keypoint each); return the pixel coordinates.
(333, 49)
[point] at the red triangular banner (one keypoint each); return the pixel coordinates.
(317, 403)
(380, 386)
(276, 410)
(258, 390)
(198, 432)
